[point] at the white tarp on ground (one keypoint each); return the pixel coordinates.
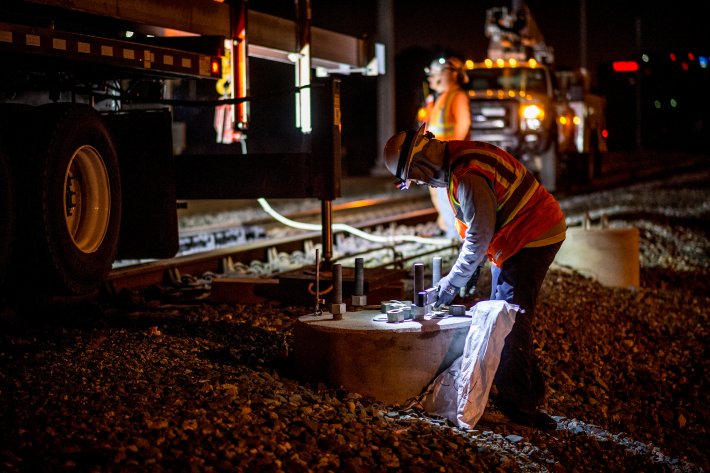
(461, 392)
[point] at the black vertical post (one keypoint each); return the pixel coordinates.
(337, 284)
(325, 96)
(359, 277)
(418, 280)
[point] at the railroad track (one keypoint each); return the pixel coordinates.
(276, 249)
(250, 243)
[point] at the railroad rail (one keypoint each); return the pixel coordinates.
(247, 243)
(391, 220)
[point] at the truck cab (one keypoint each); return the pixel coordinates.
(517, 106)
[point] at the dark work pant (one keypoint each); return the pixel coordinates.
(519, 381)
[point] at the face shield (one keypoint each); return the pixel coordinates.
(399, 152)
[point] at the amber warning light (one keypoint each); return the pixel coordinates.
(216, 67)
(625, 66)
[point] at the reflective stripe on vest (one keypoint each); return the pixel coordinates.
(441, 119)
(525, 210)
(513, 186)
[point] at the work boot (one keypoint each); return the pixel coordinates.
(538, 419)
(543, 421)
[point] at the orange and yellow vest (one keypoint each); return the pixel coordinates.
(440, 116)
(527, 215)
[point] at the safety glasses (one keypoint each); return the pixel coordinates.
(404, 184)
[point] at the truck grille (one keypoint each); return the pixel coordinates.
(495, 122)
(498, 116)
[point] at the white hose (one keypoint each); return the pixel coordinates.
(352, 230)
(344, 227)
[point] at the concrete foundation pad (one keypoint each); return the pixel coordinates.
(362, 352)
(609, 255)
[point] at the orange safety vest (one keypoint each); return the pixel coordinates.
(440, 116)
(526, 210)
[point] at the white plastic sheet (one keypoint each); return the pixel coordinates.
(461, 392)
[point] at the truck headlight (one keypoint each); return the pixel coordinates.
(533, 111)
(532, 116)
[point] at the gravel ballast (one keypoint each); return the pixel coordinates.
(136, 385)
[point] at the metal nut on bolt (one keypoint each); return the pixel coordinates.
(395, 315)
(338, 310)
(457, 310)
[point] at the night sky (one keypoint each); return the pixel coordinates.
(458, 25)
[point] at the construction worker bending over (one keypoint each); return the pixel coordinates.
(504, 214)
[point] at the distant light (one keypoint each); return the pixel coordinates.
(625, 66)
(691, 56)
(605, 133)
(129, 34)
(532, 111)
(469, 64)
(684, 66)
(645, 58)
(657, 103)
(703, 61)
(673, 58)
(216, 67)
(674, 103)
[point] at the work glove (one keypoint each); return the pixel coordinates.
(447, 293)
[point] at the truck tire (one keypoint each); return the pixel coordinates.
(586, 168)
(595, 159)
(550, 167)
(71, 210)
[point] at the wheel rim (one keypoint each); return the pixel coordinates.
(87, 199)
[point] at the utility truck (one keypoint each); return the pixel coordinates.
(556, 128)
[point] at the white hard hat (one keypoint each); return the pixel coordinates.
(451, 62)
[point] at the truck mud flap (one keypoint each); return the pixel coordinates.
(143, 139)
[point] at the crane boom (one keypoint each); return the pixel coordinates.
(513, 33)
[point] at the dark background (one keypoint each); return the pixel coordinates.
(616, 30)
